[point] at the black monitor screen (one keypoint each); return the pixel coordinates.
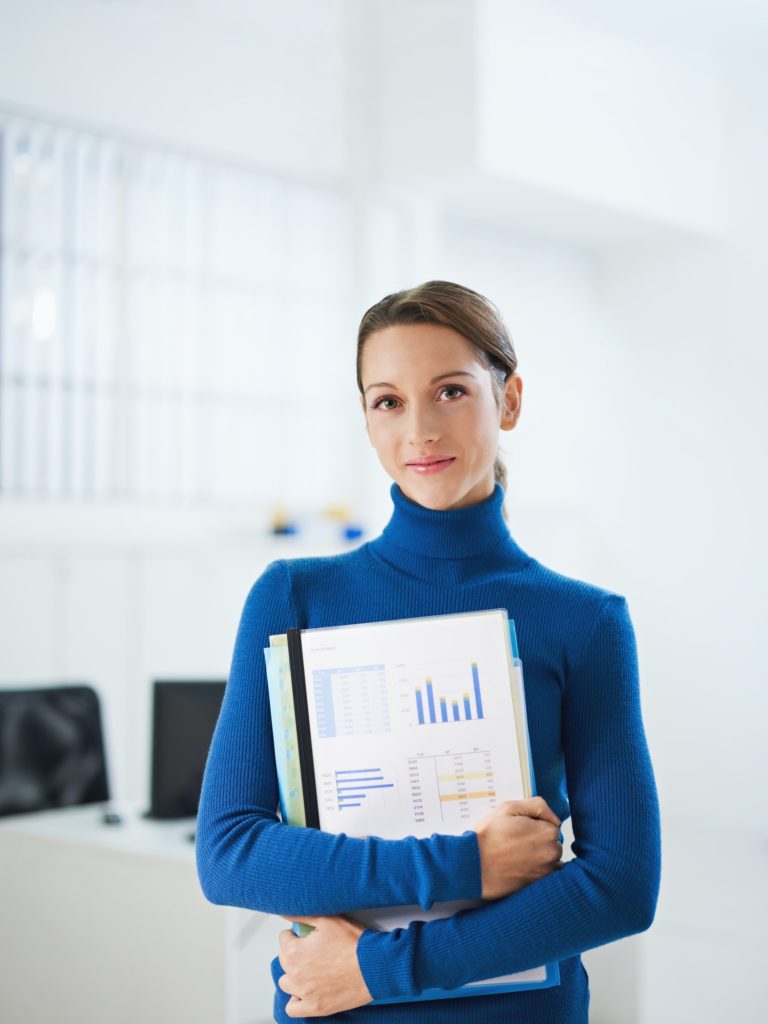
(183, 719)
(51, 749)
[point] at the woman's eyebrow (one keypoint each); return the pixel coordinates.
(440, 376)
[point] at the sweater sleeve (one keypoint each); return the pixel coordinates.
(247, 857)
(607, 892)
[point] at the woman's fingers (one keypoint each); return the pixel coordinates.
(285, 938)
(322, 973)
(532, 807)
(519, 844)
(286, 985)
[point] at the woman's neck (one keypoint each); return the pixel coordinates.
(451, 545)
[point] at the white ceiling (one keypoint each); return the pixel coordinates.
(725, 27)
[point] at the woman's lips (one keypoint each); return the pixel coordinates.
(430, 467)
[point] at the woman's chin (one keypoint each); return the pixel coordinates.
(444, 496)
(438, 499)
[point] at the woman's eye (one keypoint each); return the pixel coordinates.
(451, 387)
(379, 401)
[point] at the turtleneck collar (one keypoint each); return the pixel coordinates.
(451, 545)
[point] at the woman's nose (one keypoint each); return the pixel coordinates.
(422, 426)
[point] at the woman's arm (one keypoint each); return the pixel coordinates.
(246, 857)
(607, 892)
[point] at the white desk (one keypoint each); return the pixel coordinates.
(106, 924)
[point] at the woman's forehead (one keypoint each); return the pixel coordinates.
(416, 349)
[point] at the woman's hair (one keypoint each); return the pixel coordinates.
(451, 305)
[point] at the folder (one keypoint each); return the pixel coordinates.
(403, 727)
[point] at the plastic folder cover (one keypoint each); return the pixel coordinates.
(431, 709)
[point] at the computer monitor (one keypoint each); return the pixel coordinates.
(184, 715)
(51, 748)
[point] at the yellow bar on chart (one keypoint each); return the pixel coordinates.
(458, 776)
(479, 795)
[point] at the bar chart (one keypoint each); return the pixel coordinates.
(355, 785)
(454, 706)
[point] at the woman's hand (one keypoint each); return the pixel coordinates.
(519, 843)
(321, 970)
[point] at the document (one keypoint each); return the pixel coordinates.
(403, 727)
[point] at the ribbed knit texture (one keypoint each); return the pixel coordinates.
(590, 760)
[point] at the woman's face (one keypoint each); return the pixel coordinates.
(428, 397)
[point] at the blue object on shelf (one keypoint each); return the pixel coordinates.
(284, 529)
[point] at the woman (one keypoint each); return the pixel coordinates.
(437, 377)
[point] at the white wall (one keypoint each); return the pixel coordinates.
(692, 496)
(598, 115)
(258, 83)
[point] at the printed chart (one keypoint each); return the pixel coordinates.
(357, 800)
(354, 785)
(458, 787)
(351, 701)
(452, 696)
(413, 723)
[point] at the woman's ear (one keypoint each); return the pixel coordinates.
(512, 401)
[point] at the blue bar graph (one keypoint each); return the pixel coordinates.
(478, 698)
(353, 785)
(431, 701)
(419, 706)
(457, 702)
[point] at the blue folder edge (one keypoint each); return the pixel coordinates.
(283, 753)
(552, 978)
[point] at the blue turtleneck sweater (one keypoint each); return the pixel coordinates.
(589, 753)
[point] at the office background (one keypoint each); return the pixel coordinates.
(200, 199)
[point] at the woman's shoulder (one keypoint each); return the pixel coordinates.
(551, 584)
(299, 572)
(313, 566)
(286, 587)
(576, 611)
